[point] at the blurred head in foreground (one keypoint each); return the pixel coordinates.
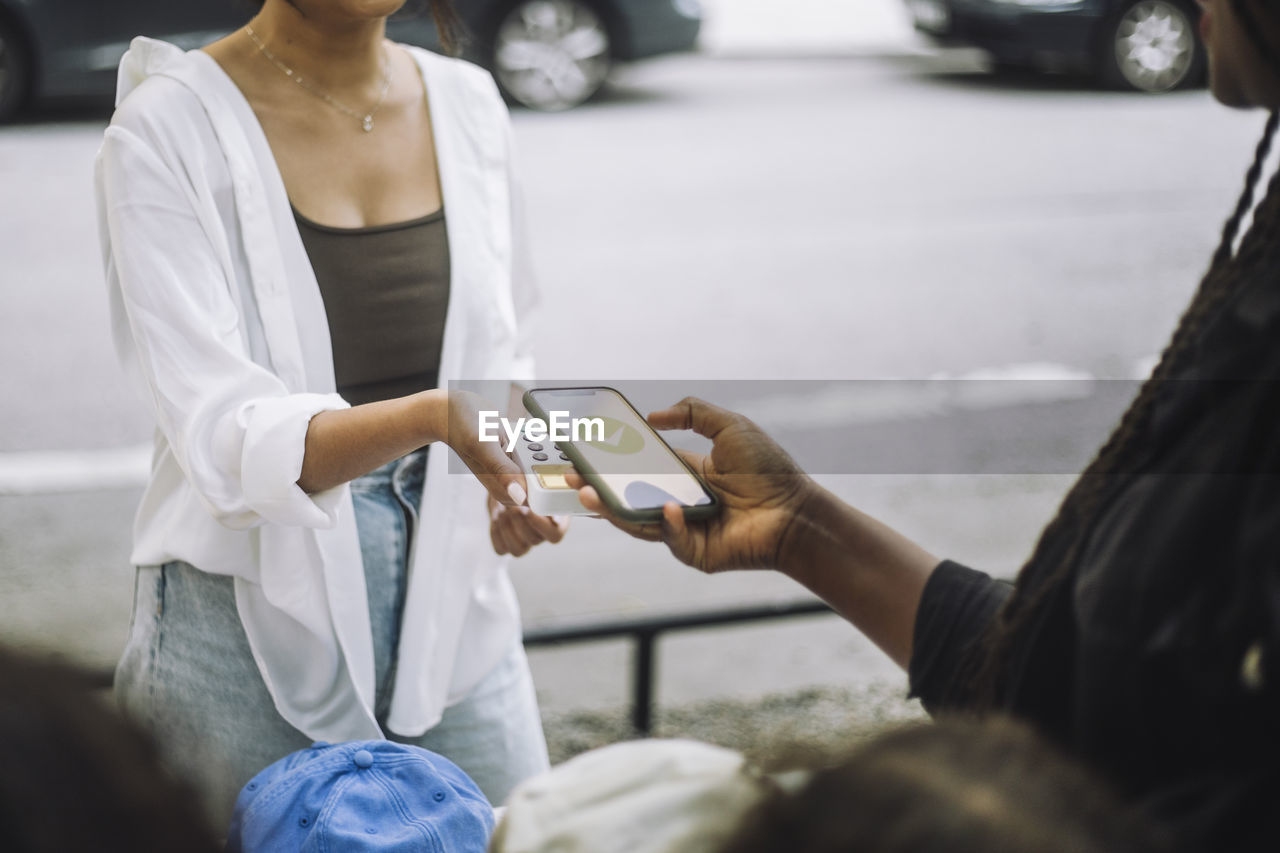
(953, 786)
(76, 776)
(956, 786)
(361, 797)
(644, 796)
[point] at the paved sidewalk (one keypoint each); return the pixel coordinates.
(803, 725)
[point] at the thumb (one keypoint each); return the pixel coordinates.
(692, 413)
(676, 533)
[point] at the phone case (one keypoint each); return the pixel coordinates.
(616, 507)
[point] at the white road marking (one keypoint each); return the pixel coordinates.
(57, 471)
(881, 401)
(60, 471)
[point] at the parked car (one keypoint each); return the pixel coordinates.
(545, 54)
(1146, 45)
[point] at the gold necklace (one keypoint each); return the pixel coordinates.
(365, 119)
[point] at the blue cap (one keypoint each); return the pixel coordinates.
(372, 795)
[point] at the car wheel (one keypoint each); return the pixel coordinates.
(551, 54)
(14, 70)
(1151, 46)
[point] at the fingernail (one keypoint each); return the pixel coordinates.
(517, 493)
(560, 520)
(524, 510)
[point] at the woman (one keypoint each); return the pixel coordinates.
(273, 213)
(1144, 631)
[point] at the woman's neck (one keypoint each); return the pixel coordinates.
(334, 51)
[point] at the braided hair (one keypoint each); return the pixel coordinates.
(1050, 566)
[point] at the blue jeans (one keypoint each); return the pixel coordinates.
(188, 676)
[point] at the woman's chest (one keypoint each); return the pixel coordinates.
(337, 174)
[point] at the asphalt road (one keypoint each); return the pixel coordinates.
(837, 218)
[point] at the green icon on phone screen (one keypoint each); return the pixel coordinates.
(619, 438)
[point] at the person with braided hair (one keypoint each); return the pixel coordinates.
(1143, 634)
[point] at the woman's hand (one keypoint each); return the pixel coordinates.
(495, 470)
(515, 530)
(760, 489)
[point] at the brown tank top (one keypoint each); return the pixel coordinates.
(386, 291)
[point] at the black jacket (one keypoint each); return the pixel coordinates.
(1159, 662)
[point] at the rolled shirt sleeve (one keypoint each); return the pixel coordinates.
(235, 429)
(272, 434)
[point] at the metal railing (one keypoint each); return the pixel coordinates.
(646, 632)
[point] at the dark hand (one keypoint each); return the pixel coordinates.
(759, 487)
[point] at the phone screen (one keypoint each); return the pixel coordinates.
(620, 451)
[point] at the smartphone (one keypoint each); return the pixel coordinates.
(633, 470)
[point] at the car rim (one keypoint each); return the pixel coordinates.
(551, 54)
(1154, 45)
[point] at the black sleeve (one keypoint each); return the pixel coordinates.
(955, 609)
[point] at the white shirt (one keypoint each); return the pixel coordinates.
(215, 310)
